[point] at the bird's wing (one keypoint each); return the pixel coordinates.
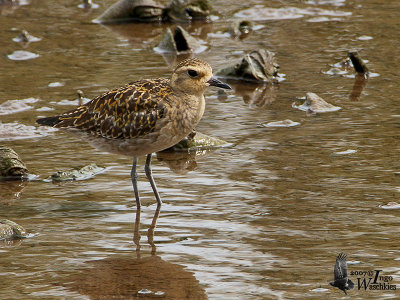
(351, 284)
(340, 269)
(127, 112)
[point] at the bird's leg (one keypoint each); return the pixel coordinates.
(134, 182)
(147, 169)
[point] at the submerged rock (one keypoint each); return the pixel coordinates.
(10, 230)
(11, 165)
(314, 104)
(83, 173)
(22, 55)
(241, 28)
(258, 65)
(132, 10)
(178, 42)
(197, 141)
(284, 123)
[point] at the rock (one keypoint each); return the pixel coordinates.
(83, 173)
(132, 10)
(11, 165)
(258, 65)
(10, 230)
(186, 11)
(25, 37)
(178, 42)
(314, 104)
(359, 65)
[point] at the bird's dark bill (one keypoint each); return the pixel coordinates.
(215, 82)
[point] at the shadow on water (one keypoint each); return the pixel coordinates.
(147, 276)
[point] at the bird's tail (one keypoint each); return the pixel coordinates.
(49, 121)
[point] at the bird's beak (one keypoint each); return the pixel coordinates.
(215, 82)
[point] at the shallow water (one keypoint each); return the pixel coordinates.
(263, 219)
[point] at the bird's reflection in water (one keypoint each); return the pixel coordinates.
(150, 232)
(127, 277)
(360, 82)
(253, 94)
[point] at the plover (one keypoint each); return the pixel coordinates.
(153, 114)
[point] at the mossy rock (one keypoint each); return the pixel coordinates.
(11, 165)
(83, 173)
(198, 141)
(10, 230)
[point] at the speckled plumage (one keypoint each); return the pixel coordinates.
(127, 112)
(152, 114)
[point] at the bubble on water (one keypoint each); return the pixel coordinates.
(22, 55)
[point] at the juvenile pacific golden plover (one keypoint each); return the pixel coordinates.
(152, 114)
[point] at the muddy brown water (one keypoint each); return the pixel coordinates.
(264, 219)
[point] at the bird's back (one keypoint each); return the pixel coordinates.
(127, 112)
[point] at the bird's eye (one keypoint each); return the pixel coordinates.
(192, 73)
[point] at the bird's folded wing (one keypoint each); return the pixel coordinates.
(128, 112)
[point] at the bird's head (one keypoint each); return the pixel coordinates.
(193, 76)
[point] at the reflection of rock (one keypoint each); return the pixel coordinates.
(358, 86)
(179, 162)
(253, 94)
(314, 104)
(241, 28)
(11, 191)
(132, 10)
(259, 65)
(180, 41)
(11, 165)
(83, 173)
(10, 230)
